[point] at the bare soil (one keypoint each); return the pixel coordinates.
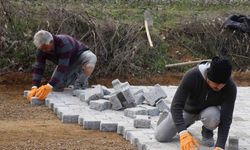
(23, 127)
(26, 127)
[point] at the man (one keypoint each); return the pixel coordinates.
(206, 93)
(75, 63)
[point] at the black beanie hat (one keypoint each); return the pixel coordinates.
(220, 70)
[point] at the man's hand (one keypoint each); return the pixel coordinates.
(187, 142)
(218, 148)
(31, 93)
(43, 91)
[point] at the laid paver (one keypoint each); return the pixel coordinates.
(71, 109)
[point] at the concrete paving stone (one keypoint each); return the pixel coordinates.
(126, 98)
(47, 101)
(142, 121)
(160, 146)
(139, 98)
(163, 115)
(69, 118)
(152, 111)
(100, 105)
(82, 115)
(116, 84)
(60, 111)
(108, 126)
(106, 91)
(55, 108)
(82, 97)
(91, 123)
(132, 112)
(92, 94)
(131, 136)
(154, 94)
(35, 101)
(72, 102)
(107, 97)
(128, 95)
(162, 105)
(77, 92)
(25, 93)
(233, 143)
(146, 140)
(116, 104)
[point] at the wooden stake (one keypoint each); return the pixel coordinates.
(148, 34)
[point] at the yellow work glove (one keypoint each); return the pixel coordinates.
(187, 142)
(31, 93)
(43, 91)
(218, 148)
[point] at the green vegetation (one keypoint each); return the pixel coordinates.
(114, 30)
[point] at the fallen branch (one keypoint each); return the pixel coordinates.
(186, 63)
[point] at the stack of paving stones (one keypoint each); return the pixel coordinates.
(131, 111)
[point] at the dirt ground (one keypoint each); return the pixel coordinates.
(26, 127)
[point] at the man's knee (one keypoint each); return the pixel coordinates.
(88, 69)
(161, 137)
(210, 117)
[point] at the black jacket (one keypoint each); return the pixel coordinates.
(193, 95)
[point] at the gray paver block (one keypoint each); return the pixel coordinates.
(132, 112)
(162, 105)
(25, 93)
(77, 92)
(58, 105)
(118, 86)
(142, 121)
(152, 111)
(163, 115)
(100, 105)
(233, 143)
(91, 123)
(82, 97)
(47, 101)
(154, 94)
(116, 83)
(92, 94)
(116, 104)
(61, 110)
(36, 101)
(107, 97)
(139, 98)
(108, 126)
(126, 98)
(69, 118)
(106, 91)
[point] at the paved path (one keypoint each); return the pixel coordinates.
(70, 109)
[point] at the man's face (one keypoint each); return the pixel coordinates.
(215, 86)
(47, 48)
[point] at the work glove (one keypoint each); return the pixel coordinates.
(218, 148)
(43, 91)
(187, 142)
(32, 93)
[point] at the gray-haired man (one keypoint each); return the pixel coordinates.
(75, 63)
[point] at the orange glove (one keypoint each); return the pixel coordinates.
(187, 142)
(43, 91)
(218, 148)
(31, 93)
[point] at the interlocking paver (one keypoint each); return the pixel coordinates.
(63, 103)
